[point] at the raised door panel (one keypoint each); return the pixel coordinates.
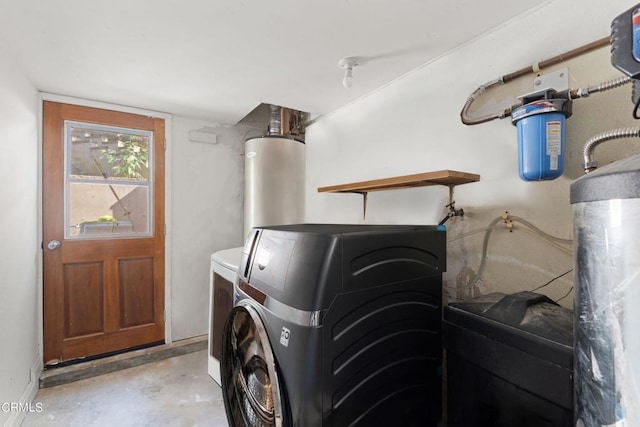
(83, 299)
(136, 292)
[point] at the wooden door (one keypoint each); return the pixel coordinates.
(103, 230)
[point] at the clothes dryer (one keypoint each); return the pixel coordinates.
(336, 325)
(223, 273)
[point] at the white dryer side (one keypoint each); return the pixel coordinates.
(223, 272)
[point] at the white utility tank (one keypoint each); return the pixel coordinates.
(274, 181)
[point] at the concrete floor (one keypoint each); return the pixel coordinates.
(171, 392)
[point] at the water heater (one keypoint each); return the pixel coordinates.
(274, 181)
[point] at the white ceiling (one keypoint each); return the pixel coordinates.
(218, 59)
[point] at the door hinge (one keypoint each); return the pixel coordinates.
(165, 229)
(165, 144)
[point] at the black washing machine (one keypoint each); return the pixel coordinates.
(336, 325)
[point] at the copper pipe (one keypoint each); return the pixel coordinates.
(522, 72)
(605, 41)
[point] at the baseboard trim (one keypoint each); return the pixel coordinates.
(16, 417)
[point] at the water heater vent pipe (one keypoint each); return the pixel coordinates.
(275, 122)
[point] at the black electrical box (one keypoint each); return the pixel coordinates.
(509, 362)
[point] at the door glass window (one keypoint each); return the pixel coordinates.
(108, 184)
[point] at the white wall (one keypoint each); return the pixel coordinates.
(412, 125)
(19, 252)
(207, 205)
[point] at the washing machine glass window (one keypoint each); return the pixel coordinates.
(252, 383)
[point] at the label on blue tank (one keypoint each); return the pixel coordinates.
(554, 133)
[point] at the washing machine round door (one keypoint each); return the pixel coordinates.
(250, 384)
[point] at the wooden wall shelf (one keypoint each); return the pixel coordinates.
(443, 177)
(447, 178)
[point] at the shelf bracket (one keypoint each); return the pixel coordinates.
(365, 197)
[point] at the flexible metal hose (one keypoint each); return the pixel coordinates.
(464, 114)
(611, 84)
(587, 150)
(573, 94)
(583, 92)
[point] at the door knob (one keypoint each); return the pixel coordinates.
(54, 244)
